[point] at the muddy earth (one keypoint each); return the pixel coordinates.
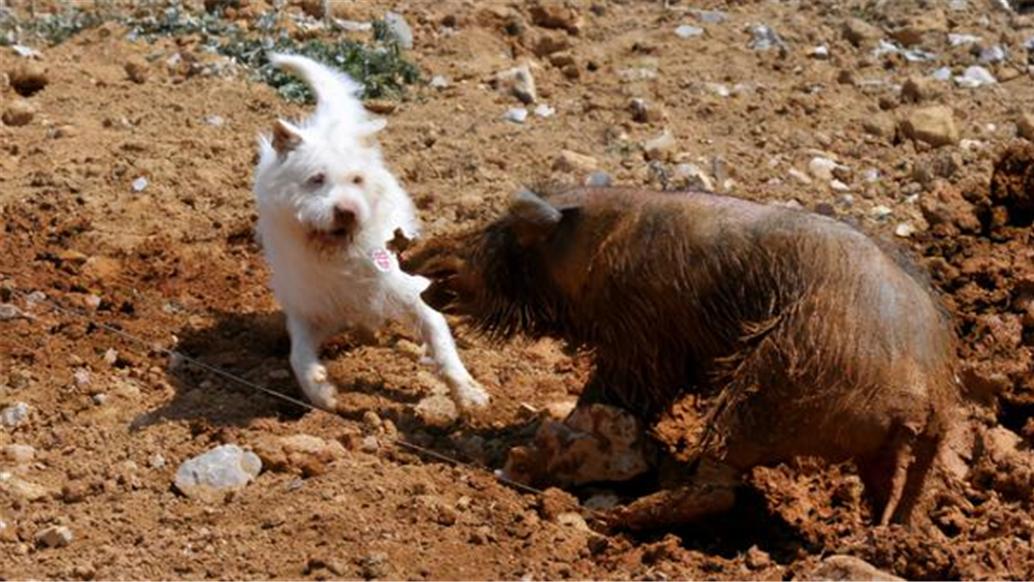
(125, 198)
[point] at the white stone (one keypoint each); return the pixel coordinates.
(139, 184)
(880, 212)
(975, 76)
(399, 29)
(543, 110)
(688, 31)
(956, 39)
(516, 115)
(54, 537)
(211, 475)
(14, 415)
(821, 168)
(904, 230)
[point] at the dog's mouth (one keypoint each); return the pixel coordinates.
(341, 235)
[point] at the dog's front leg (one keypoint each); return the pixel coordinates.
(434, 331)
(306, 338)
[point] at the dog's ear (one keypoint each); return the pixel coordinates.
(534, 219)
(286, 137)
(367, 130)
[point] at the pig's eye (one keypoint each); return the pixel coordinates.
(316, 180)
(357, 180)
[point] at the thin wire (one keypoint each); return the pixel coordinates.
(254, 386)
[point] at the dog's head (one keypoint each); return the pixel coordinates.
(322, 178)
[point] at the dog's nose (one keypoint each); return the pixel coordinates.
(344, 218)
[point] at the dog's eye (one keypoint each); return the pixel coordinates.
(357, 180)
(316, 180)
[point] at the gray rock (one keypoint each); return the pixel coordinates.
(516, 115)
(942, 74)
(599, 179)
(214, 120)
(710, 16)
(439, 82)
(820, 52)
(437, 411)
(19, 454)
(10, 311)
(993, 54)
(212, 475)
(14, 415)
(57, 536)
(957, 39)
(688, 31)
(519, 82)
(543, 110)
(975, 76)
(764, 37)
(399, 29)
(139, 184)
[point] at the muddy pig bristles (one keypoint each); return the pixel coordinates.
(810, 339)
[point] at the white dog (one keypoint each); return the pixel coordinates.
(327, 208)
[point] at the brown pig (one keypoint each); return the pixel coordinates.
(810, 338)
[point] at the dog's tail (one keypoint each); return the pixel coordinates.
(335, 91)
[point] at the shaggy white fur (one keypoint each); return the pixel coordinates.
(327, 207)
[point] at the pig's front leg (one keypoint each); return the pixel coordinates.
(306, 338)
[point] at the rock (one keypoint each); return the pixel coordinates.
(710, 16)
(437, 410)
(369, 444)
(28, 77)
(25, 51)
(661, 147)
(556, 14)
(822, 168)
(549, 42)
(904, 230)
(957, 39)
(764, 37)
(880, 125)
(542, 110)
(9, 311)
(993, 54)
(438, 82)
(1025, 126)
(214, 120)
(381, 106)
(819, 53)
(688, 31)
(849, 568)
(799, 176)
(301, 453)
(644, 112)
(212, 475)
(137, 70)
(933, 125)
(859, 32)
(519, 82)
(18, 113)
(574, 520)
(374, 565)
(139, 184)
(974, 77)
(599, 179)
(757, 558)
(57, 536)
(595, 443)
(22, 489)
(568, 161)
(516, 115)
(399, 30)
(880, 212)
(14, 415)
(18, 454)
(554, 502)
(691, 177)
(919, 89)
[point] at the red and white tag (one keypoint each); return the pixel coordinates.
(381, 259)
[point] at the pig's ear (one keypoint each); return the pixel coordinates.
(534, 219)
(286, 137)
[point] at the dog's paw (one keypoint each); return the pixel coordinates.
(318, 390)
(468, 394)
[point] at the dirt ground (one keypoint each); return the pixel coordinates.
(176, 264)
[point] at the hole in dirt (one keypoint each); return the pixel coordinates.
(1015, 415)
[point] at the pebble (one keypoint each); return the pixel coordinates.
(880, 212)
(839, 186)
(941, 74)
(764, 37)
(437, 410)
(57, 536)
(18, 113)
(758, 558)
(859, 32)
(644, 112)
(933, 125)
(214, 120)
(599, 179)
(957, 39)
(369, 444)
(439, 82)
(569, 161)
(841, 567)
(139, 184)
(9, 311)
(975, 76)
(544, 111)
(710, 16)
(137, 70)
(374, 565)
(28, 78)
(399, 29)
(572, 520)
(516, 115)
(1025, 126)
(19, 454)
(688, 31)
(21, 488)
(305, 453)
(210, 476)
(993, 54)
(81, 377)
(99, 399)
(25, 51)
(156, 461)
(660, 147)
(111, 356)
(822, 168)
(799, 176)
(820, 52)
(904, 230)
(519, 82)
(14, 415)
(690, 176)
